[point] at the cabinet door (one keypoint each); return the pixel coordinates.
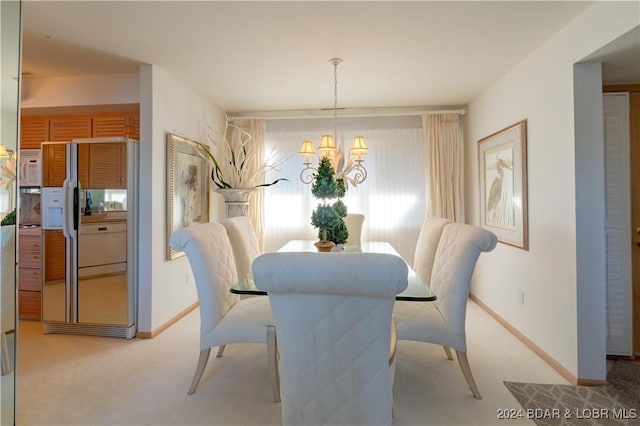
(29, 303)
(133, 127)
(30, 279)
(109, 125)
(54, 255)
(66, 129)
(54, 164)
(126, 125)
(33, 131)
(83, 164)
(107, 166)
(30, 251)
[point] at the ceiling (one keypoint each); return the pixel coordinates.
(265, 56)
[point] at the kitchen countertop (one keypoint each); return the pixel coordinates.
(104, 217)
(30, 230)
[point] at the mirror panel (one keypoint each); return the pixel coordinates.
(9, 115)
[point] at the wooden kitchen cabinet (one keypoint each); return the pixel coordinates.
(83, 165)
(55, 260)
(109, 125)
(67, 128)
(54, 164)
(33, 131)
(30, 305)
(100, 165)
(125, 125)
(107, 166)
(133, 127)
(29, 274)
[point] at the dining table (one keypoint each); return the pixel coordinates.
(417, 290)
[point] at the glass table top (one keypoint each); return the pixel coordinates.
(416, 290)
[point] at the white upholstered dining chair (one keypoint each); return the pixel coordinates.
(244, 243)
(427, 245)
(224, 317)
(333, 315)
(354, 222)
(443, 321)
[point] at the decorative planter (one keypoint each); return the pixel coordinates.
(324, 246)
(236, 200)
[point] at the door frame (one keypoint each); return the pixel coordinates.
(634, 158)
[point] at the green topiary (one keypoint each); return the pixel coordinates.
(340, 208)
(9, 219)
(329, 218)
(338, 233)
(324, 185)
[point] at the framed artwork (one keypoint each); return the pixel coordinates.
(187, 187)
(502, 163)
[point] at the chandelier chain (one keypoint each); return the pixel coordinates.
(335, 101)
(330, 148)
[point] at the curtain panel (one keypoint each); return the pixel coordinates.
(255, 128)
(392, 198)
(445, 166)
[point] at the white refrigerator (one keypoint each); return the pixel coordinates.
(89, 226)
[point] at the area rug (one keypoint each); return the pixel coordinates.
(618, 403)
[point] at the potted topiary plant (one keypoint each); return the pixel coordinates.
(328, 218)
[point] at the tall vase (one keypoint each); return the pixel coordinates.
(237, 200)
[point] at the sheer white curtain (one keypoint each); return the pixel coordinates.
(445, 166)
(5, 202)
(392, 198)
(255, 128)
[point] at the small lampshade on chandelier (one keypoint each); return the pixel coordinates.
(3, 152)
(353, 172)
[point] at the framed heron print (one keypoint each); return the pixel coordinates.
(502, 163)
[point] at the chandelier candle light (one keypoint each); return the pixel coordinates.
(353, 172)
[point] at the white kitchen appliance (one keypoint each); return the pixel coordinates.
(89, 253)
(53, 208)
(30, 170)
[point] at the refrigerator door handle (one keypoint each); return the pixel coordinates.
(65, 215)
(76, 208)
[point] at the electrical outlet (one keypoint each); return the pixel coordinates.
(521, 297)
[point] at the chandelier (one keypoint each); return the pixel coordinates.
(353, 172)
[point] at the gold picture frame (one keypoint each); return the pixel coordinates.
(502, 164)
(187, 187)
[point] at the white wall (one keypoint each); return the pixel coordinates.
(111, 89)
(590, 219)
(166, 105)
(540, 90)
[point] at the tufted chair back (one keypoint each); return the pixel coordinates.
(354, 222)
(427, 245)
(459, 249)
(244, 243)
(212, 262)
(333, 316)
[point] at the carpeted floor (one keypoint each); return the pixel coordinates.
(618, 403)
(91, 381)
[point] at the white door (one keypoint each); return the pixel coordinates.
(618, 224)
